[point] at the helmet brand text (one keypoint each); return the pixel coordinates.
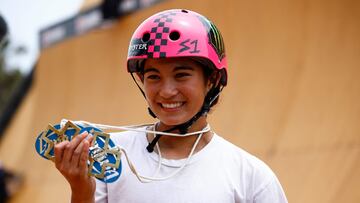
(138, 47)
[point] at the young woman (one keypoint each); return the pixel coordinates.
(177, 59)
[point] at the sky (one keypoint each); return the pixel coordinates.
(25, 18)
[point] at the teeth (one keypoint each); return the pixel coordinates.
(172, 105)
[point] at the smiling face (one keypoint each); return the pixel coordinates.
(175, 88)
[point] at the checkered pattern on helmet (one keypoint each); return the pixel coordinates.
(158, 39)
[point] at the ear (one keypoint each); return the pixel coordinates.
(213, 80)
(140, 76)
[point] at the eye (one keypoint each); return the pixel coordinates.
(152, 76)
(182, 75)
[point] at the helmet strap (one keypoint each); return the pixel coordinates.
(183, 128)
(137, 84)
(143, 93)
(151, 113)
(210, 97)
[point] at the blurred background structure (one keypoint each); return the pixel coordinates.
(293, 97)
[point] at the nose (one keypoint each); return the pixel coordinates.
(168, 89)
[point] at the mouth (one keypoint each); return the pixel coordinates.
(172, 106)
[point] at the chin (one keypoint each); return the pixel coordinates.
(173, 121)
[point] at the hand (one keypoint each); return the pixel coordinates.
(71, 160)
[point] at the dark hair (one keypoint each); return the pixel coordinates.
(210, 73)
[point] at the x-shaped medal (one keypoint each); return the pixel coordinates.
(51, 136)
(104, 157)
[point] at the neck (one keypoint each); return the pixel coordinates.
(179, 147)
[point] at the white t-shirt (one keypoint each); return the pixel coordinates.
(219, 173)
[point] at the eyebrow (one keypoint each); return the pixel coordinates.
(151, 70)
(183, 67)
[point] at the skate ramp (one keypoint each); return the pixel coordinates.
(293, 97)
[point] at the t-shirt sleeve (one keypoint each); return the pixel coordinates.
(272, 192)
(101, 192)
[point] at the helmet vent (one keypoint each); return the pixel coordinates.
(146, 37)
(174, 35)
(184, 11)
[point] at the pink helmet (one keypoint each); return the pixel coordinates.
(178, 33)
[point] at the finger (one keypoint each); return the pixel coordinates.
(70, 147)
(77, 152)
(84, 156)
(59, 152)
(90, 139)
(85, 153)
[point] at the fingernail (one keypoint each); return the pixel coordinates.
(89, 136)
